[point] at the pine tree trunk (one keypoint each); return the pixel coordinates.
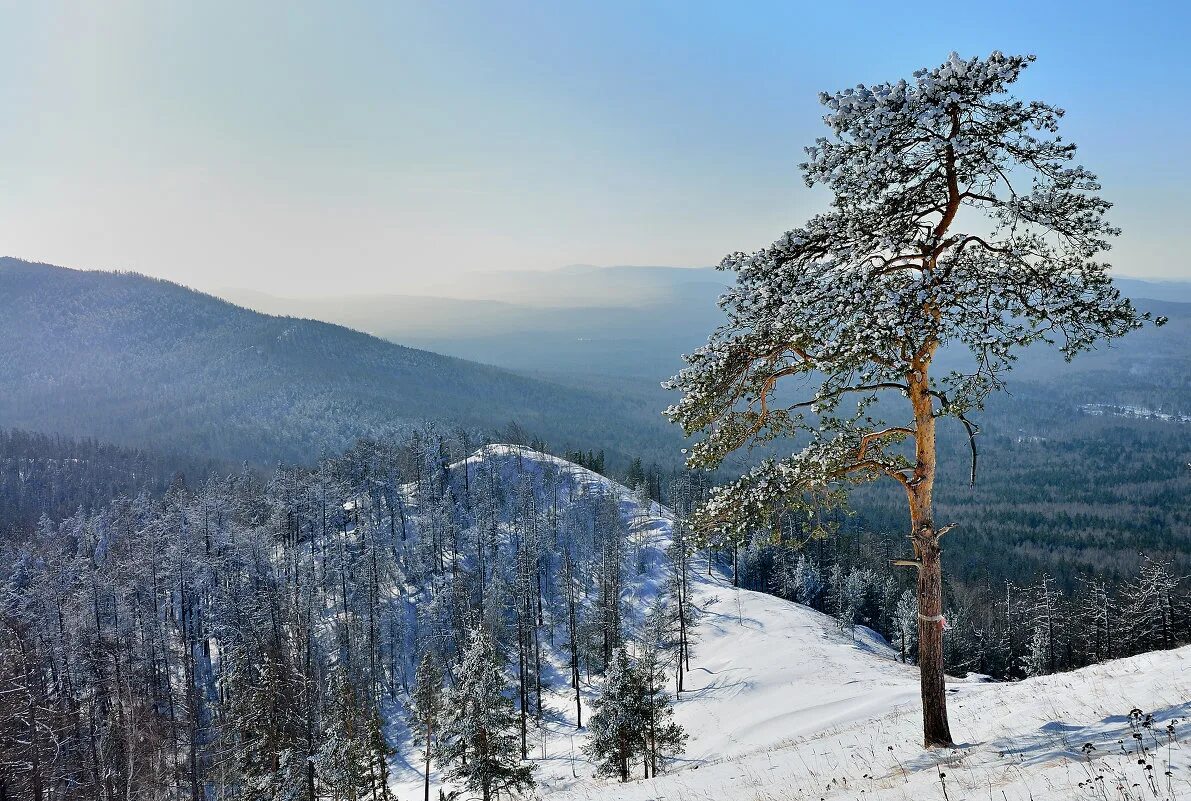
(930, 642)
(925, 538)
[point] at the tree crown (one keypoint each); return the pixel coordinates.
(959, 220)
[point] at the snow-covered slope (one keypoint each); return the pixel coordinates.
(781, 705)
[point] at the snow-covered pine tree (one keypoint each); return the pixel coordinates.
(610, 534)
(905, 618)
(758, 564)
(958, 220)
(1009, 612)
(262, 717)
(808, 585)
(890, 594)
(481, 743)
(571, 594)
(837, 597)
(663, 737)
(1095, 620)
(781, 578)
(961, 646)
(863, 590)
(343, 758)
(614, 731)
(686, 492)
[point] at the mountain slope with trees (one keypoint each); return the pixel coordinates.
(399, 620)
(261, 636)
(136, 360)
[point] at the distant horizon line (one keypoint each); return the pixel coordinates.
(1149, 279)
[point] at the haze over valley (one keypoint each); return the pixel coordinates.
(617, 402)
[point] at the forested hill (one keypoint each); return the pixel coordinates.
(294, 636)
(137, 360)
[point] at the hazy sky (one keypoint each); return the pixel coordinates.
(341, 147)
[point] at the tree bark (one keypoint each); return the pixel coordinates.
(935, 728)
(925, 538)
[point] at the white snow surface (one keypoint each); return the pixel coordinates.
(779, 704)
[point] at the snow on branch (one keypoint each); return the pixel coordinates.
(959, 220)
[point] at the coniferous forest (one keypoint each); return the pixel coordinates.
(273, 636)
(289, 633)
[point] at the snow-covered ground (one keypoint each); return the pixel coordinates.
(1134, 412)
(781, 705)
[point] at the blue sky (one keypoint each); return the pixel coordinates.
(339, 147)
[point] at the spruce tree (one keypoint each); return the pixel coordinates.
(482, 746)
(614, 731)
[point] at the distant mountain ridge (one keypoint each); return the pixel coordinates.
(1171, 291)
(643, 338)
(576, 321)
(143, 361)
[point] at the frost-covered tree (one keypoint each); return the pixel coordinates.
(959, 222)
(482, 744)
(342, 760)
(633, 713)
(905, 621)
(1095, 620)
(1042, 619)
(662, 736)
(425, 709)
(798, 578)
(1149, 606)
(615, 728)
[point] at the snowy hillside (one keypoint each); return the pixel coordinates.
(780, 704)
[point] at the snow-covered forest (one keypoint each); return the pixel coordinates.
(402, 617)
(890, 506)
(299, 634)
